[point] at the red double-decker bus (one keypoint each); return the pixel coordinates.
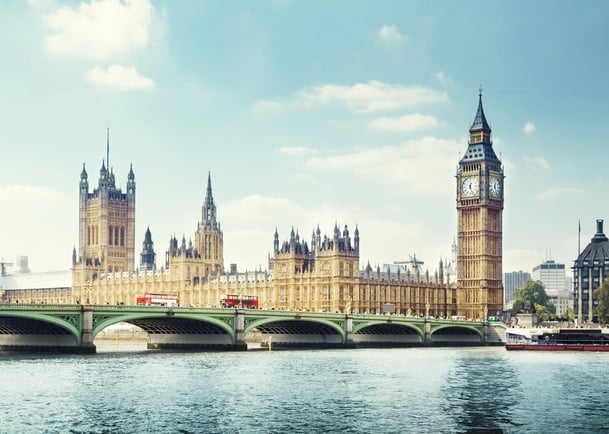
(240, 301)
(150, 299)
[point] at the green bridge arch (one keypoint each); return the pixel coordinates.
(257, 322)
(105, 321)
(479, 330)
(362, 325)
(229, 327)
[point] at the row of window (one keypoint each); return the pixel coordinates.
(116, 235)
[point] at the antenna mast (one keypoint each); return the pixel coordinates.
(108, 147)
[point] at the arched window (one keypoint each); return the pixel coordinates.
(110, 234)
(122, 236)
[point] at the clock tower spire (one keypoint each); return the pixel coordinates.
(480, 228)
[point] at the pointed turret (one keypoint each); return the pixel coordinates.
(480, 123)
(276, 241)
(209, 207)
(147, 257)
(131, 183)
(84, 183)
(480, 147)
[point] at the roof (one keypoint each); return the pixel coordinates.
(480, 152)
(480, 123)
(46, 280)
(596, 250)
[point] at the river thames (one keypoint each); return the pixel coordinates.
(418, 390)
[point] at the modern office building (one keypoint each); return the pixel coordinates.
(552, 275)
(556, 284)
(511, 282)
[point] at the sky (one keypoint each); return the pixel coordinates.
(305, 113)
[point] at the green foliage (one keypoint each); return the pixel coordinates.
(601, 294)
(545, 313)
(531, 297)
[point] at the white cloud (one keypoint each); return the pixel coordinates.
(529, 128)
(412, 122)
(248, 242)
(539, 161)
(39, 3)
(294, 151)
(100, 29)
(560, 192)
(390, 33)
(118, 77)
(443, 79)
(372, 96)
(413, 165)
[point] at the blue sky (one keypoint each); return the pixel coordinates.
(305, 113)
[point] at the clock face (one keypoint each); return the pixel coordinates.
(470, 186)
(495, 187)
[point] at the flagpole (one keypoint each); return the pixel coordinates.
(579, 235)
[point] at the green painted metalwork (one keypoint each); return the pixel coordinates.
(70, 317)
(256, 318)
(477, 327)
(362, 321)
(222, 318)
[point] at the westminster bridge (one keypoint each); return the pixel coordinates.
(73, 328)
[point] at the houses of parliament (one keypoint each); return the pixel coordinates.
(320, 274)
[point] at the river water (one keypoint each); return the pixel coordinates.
(418, 390)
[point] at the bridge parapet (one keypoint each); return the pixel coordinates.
(228, 328)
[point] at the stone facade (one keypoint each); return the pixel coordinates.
(323, 275)
(480, 182)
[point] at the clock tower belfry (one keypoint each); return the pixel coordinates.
(480, 229)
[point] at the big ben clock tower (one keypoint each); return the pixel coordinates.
(479, 207)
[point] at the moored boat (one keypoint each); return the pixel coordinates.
(596, 340)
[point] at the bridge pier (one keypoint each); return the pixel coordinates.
(240, 343)
(427, 337)
(86, 335)
(349, 343)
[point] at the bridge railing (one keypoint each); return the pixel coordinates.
(39, 306)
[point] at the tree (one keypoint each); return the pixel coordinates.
(601, 295)
(545, 313)
(530, 297)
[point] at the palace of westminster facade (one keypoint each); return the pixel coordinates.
(323, 275)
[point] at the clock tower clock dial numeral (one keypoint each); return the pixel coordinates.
(470, 186)
(495, 187)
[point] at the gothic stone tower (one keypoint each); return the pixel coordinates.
(325, 277)
(204, 258)
(148, 256)
(106, 225)
(209, 238)
(479, 207)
